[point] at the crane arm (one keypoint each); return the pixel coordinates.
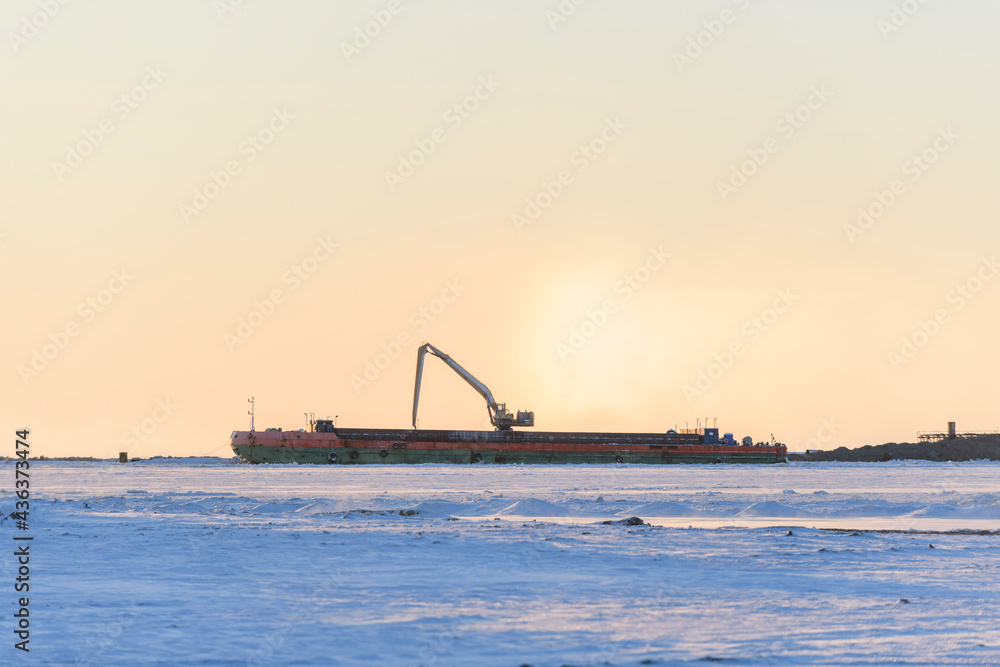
(455, 366)
(499, 416)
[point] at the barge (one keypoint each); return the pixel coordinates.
(324, 443)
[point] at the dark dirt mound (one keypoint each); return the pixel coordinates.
(959, 449)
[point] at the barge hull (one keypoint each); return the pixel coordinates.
(454, 447)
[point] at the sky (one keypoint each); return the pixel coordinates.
(623, 216)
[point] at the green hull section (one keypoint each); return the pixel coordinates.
(358, 456)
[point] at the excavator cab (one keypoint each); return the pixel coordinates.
(503, 420)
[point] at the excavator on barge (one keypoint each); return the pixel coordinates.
(326, 443)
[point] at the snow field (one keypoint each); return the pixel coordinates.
(179, 562)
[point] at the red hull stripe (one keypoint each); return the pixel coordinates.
(330, 441)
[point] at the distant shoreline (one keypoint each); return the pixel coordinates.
(959, 449)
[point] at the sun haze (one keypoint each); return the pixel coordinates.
(621, 216)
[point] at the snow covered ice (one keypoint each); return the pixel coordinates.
(184, 562)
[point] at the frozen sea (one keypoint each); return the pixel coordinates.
(207, 562)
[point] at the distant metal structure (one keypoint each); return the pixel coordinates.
(952, 434)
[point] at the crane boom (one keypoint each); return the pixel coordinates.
(499, 416)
